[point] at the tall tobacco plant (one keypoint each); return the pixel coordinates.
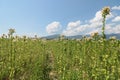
(12, 55)
(105, 12)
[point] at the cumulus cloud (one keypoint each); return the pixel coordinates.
(97, 18)
(53, 27)
(72, 25)
(93, 25)
(89, 26)
(83, 29)
(76, 30)
(116, 8)
(116, 19)
(112, 28)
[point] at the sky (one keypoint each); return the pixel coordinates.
(67, 17)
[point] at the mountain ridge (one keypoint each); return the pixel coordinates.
(56, 36)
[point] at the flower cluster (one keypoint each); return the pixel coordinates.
(105, 11)
(94, 34)
(11, 31)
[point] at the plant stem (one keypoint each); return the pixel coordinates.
(103, 28)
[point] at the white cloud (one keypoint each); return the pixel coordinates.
(116, 8)
(53, 27)
(116, 19)
(110, 16)
(74, 28)
(114, 28)
(73, 24)
(94, 30)
(69, 32)
(97, 18)
(117, 29)
(82, 29)
(93, 25)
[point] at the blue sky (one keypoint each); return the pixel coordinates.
(47, 17)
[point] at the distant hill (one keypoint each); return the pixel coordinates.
(117, 35)
(52, 36)
(56, 36)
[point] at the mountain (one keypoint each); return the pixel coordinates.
(117, 36)
(56, 36)
(107, 36)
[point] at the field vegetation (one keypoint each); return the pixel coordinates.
(91, 58)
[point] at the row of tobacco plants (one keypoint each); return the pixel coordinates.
(92, 58)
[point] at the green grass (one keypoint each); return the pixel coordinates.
(28, 59)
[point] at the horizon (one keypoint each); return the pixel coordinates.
(43, 18)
